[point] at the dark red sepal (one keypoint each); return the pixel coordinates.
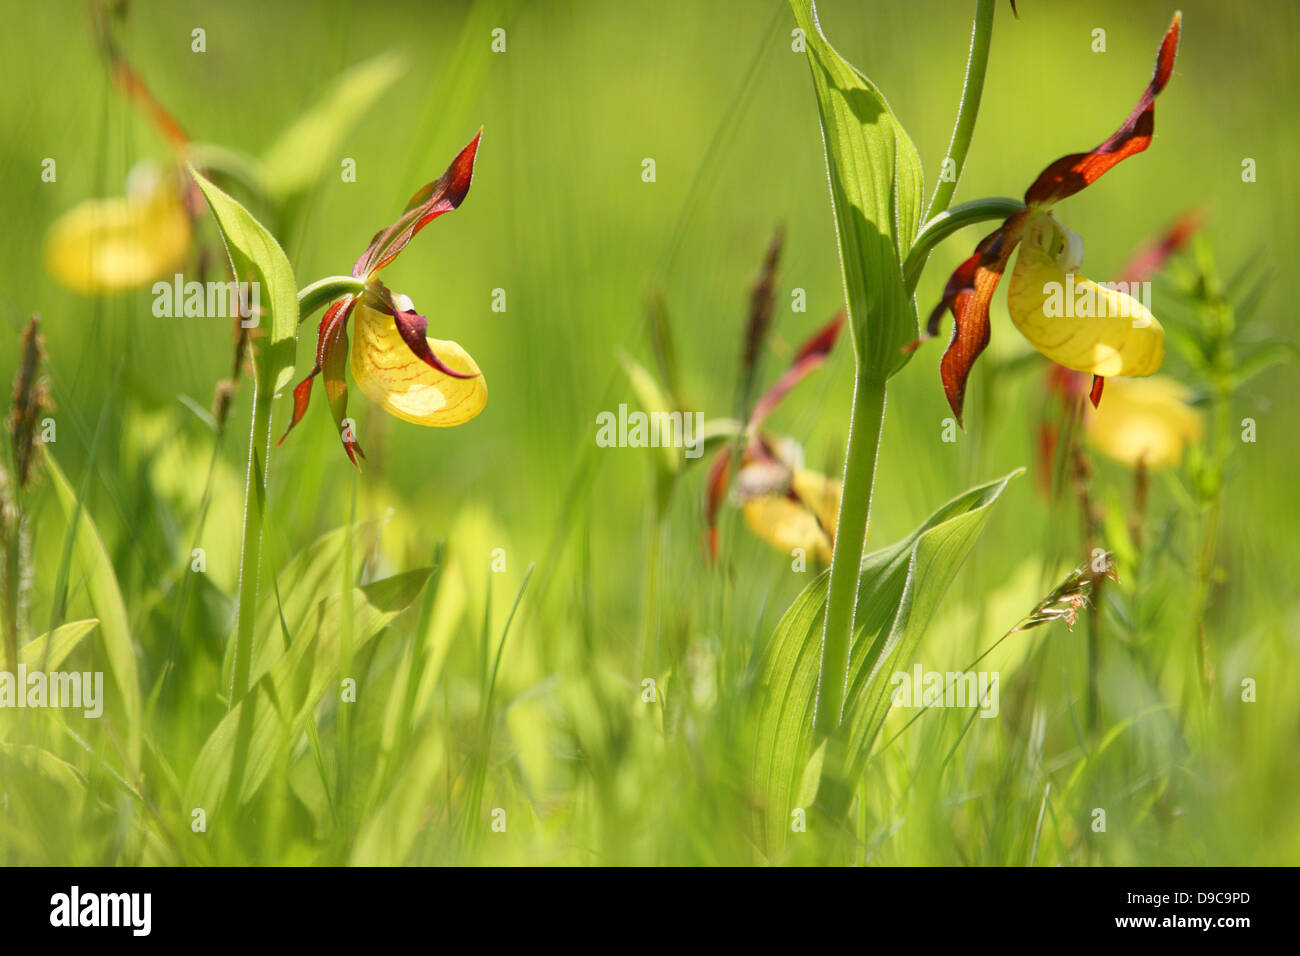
(440, 196)
(1069, 174)
(967, 295)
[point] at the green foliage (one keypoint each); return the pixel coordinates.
(591, 765)
(93, 561)
(877, 195)
(899, 589)
(268, 720)
(255, 256)
(301, 154)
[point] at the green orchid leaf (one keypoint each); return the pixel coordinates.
(899, 589)
(255, 256)
(876, 195)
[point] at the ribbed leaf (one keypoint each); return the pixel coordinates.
(899, 589)
(255, 256)
(876, 194)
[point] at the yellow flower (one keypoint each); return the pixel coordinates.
(404, 385)
(1075, 322)
(410, 375)
(784, 503)
(109, 245)
(1146, 420)
(1070, 319)
(803, 516)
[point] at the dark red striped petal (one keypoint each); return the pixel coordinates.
(301, 399)
(1069, 174)
(811, 356)
(334, 363)
(432, 200)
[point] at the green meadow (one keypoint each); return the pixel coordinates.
(508, 643)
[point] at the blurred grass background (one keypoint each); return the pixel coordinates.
(560, 218)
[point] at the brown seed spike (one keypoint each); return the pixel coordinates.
(30, 400)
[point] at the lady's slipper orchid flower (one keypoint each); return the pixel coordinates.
(1146, 421)
(110, 245)
(1167, 426)
(419, 379)
(785, 504)
(1112, 333)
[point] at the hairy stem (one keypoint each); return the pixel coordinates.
(324, 291)
(850, 542)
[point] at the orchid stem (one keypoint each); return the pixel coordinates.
(323, 291)
(865, 426)
(850, 541)
(968, 110)
(949, 221)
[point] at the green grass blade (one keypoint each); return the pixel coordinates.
(106, 598)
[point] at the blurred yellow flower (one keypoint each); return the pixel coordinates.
(1147, 420)
(109, 245)
(803, 517)
(784, 503)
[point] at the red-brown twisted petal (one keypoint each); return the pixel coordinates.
(334, 363)
(332, 329)
(412, 326)
(967, 295)
(811, 356)
(1069, 174)
(440, 196)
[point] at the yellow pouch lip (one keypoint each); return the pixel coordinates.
(1120, 336)
(395, 379)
